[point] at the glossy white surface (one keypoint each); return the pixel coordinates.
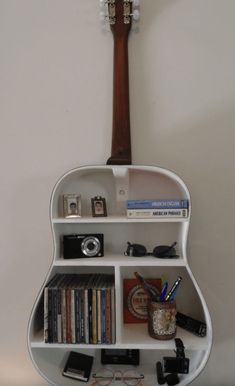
(136, 182)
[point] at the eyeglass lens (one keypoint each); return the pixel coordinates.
(105, 377)
(131, 378)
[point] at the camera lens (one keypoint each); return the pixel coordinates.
(90, 246)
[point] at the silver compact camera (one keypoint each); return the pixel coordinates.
(77, 246)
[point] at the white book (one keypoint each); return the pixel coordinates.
(158, 213)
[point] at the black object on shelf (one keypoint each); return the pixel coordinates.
(160, 376)
(178, 364)
(190, 324)
(120, 357)
(78, 366)
(170, 379)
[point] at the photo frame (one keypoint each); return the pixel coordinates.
(98, 206)
(72, 205)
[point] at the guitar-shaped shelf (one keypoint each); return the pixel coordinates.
(118, 182)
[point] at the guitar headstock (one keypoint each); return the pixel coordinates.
(119, 14)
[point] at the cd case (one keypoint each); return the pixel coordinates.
(78, 366)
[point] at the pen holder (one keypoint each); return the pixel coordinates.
(162, 320)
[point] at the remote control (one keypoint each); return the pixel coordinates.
(160, 376)
(195, 326)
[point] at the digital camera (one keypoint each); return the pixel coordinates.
(180, 364)
(176, 365)
(77, 246)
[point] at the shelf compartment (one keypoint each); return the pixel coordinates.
(117, 184)
(117, 235)
(189, 305)
(51, 361)
(36, 331)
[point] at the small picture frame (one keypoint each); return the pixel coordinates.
(98, 206)
(72, 205)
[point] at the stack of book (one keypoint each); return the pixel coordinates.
(80, 308)
(157, 208)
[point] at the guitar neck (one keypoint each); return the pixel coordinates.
(121, 136)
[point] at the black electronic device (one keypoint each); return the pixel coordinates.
(170, 379)
(178, 364)
(83, 245)
(160, 376)
(190, 324)
(120, 357)
(78, 366)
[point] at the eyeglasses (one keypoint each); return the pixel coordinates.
(162, 251)
(105, 377)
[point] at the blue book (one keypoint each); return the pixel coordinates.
(157, 204)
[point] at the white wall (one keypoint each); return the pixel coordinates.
(55, 114)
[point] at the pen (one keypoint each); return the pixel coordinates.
(163, 292)
(152, 292)
(171, 294)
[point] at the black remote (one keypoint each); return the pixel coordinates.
(195, 326)
(160, 376)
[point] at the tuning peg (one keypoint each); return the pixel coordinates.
(136, 3)
(106, 2)
(136, 14)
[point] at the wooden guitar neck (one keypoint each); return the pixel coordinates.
(121, 137)
(120, 23)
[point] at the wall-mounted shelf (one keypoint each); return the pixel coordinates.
(117, 184)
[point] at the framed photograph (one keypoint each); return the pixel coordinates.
(98, 206)
(72, 205)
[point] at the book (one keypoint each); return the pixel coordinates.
(103, 315)
(108, 321)
(158, 204)
(50, 309)
(94, 317)
(98, 304)
(77, 314)
(78, 366)
(135, 300)
(46, 315)
(113, 315)
(156, 213)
